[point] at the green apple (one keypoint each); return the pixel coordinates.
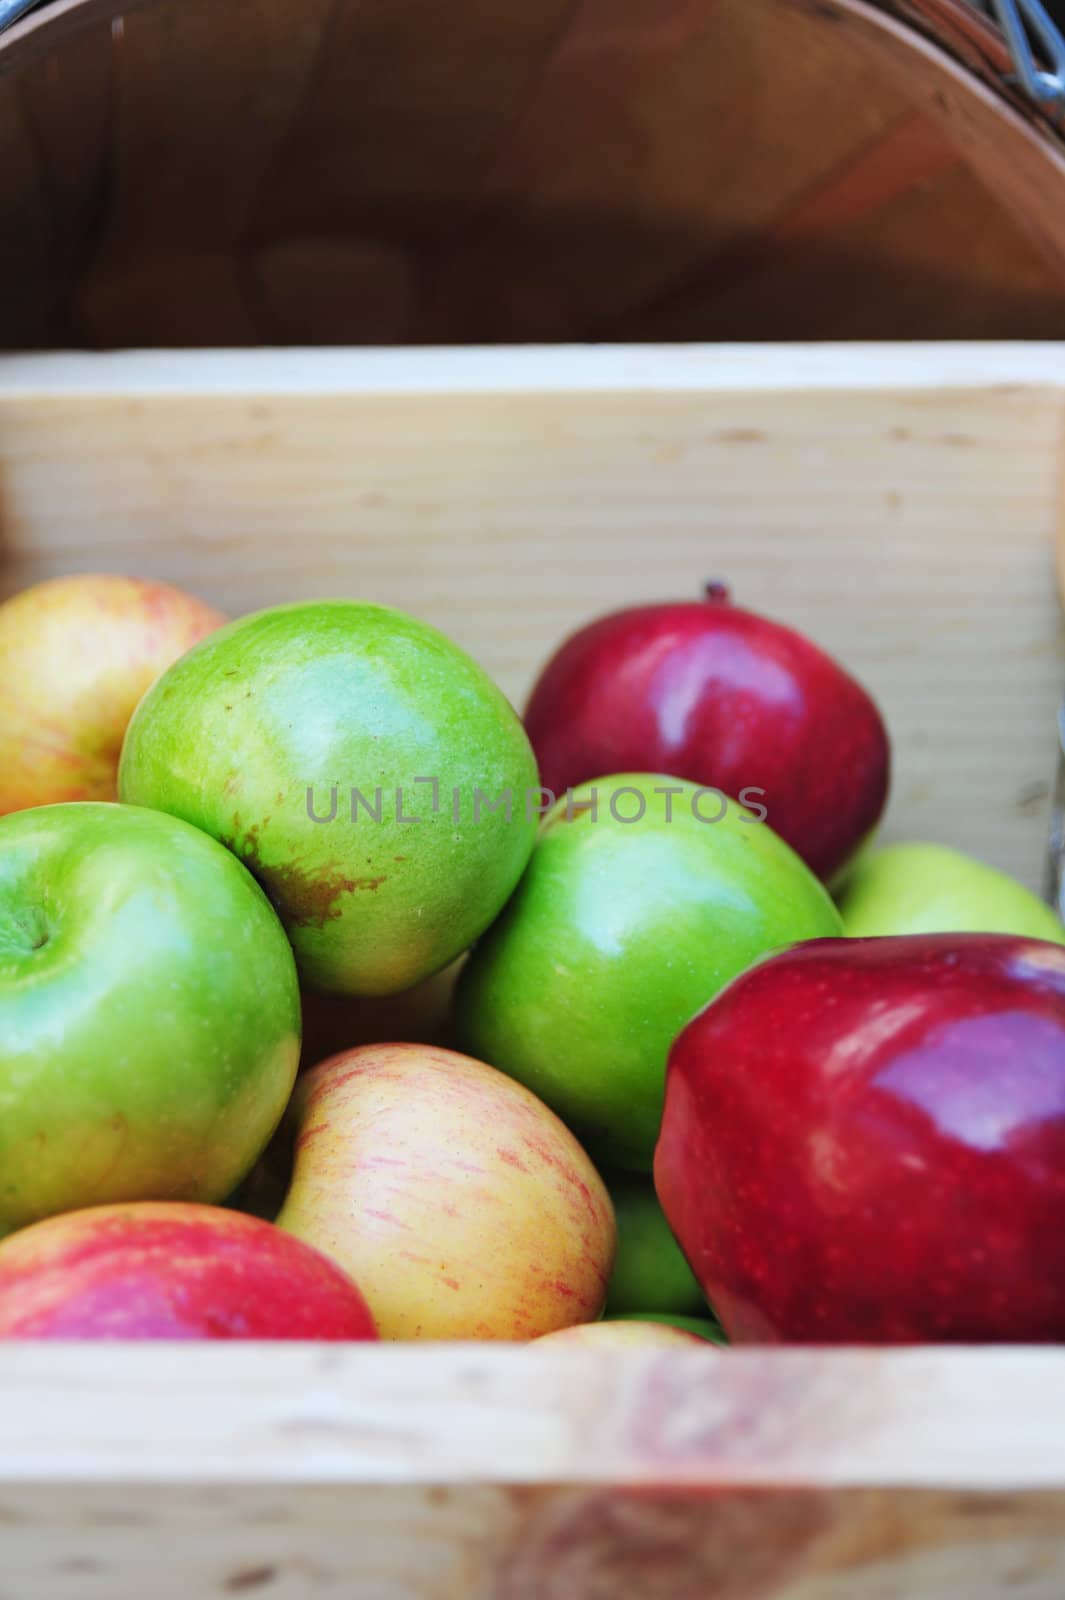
(701, 1327)
(650, 1273)
(929, 888)
(619, 933)
(149, 1012)
(369, 773)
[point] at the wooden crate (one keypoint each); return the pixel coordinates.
(900, 503)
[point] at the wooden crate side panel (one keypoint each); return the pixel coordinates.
(909, 528)
(451, 1473)
(438, 1542)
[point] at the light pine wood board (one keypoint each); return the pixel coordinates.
(476, 1473)
(899, 503)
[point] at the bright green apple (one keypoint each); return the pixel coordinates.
(149, 1012)
(929, 888)
(369, 773)
(619, 933)
(650, 1273)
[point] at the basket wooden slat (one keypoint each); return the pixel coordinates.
(187, 172)
(466, 1473)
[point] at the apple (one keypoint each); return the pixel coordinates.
(620, 931)
(929, 888)
(623, 1335)
(76, 655)
(701, 1327)
(460, 1205)
(724, 698)
(650, 1272)
(171, 1271)
(349, 755)
(864, 1143)
(149, 1012)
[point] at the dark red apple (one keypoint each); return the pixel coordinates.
(172, 1271)
(726, 699)
(864, 1143)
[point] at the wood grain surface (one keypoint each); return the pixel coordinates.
(903, 504)
(468, 1473)
(900, 505)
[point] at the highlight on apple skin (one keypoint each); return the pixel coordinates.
(724, 698)
(76, 656)
(864, 1143)
(459, 1203)
(172, 1271)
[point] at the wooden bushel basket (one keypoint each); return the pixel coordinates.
(411, 172)
(232, 172)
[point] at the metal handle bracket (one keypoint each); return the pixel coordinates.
(1025, 21)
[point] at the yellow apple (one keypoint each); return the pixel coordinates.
(459, 1202)
(76, 655)
(622, 1336)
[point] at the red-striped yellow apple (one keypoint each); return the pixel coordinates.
(459, 1203)
(76, 655)
(622, 1335)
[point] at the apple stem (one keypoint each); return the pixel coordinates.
(717, 592)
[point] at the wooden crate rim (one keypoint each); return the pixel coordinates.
(920, 1418)
(539, 369)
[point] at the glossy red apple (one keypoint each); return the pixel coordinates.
(864, 1143)
(172, 1271)
(726, 699)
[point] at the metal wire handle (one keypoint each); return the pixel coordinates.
(1022, 21)
(11, 10)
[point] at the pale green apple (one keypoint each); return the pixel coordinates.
(930, 888)
(365, 769)
(619, 933)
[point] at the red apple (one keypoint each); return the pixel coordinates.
(726, 699)
(864, 1143)
(171, 1271)
(76, 655)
